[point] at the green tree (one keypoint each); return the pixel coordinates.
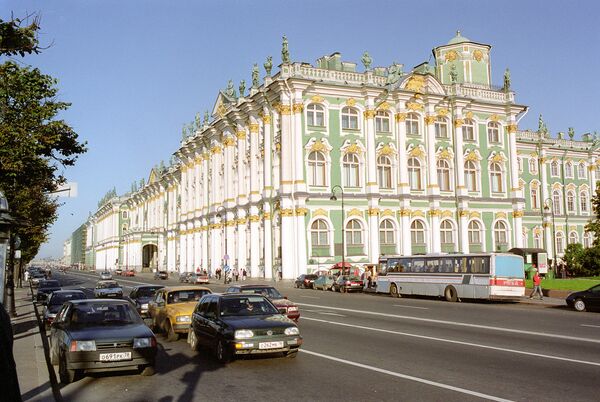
(574, 258)
(593, 226)
(16, 39)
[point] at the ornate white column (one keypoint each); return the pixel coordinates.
(216, 252)
(464, 232)
(370, 158)
(268, 240)
(182, 248)
(374, 245)
(197, 245)
(403, 185)
(241, 238)
(288, 246)
(242, 189)
(516, 192)
(254, 198)
(297, 144)
(435, 246)
(267, 192)
(254, 242)
(433, 187)
(405, 228)
(459, 152)
(204, 246)
(190, 247)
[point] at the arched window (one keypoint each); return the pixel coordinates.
(570, 202)
(569, 170)
(415, 174)
(471, 176)
(535, 198)
(444, 176)
(468, 130)
(583, 201)
(537, 240)
(349, 119)
(319, 233)
(386, 232)
(493, 131)
(382, 121)
(417, 232)
(384, 172)
(556, 201)
(554, 169)
(500, 233)
(446, 232)
(441, 127)
(560, 243)
(412, 124)
(573, 238)
(474, 233)
(354, 233)
(581, 171)
(317, 171)
(351, 170)
(315, 115)
(496, 179)
(587, 240)
(533, 166)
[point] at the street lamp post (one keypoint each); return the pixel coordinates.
(549, 208)
(334, 198)
(224, 217)
(5, 224)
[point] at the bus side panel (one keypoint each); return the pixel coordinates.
(383, 284)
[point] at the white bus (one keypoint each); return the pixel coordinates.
(453, 276)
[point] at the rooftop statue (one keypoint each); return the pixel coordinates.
(285, 53)
(506, 86)
(542, 129)
(366, 61)
(198, 121)
(268, 65)
(255, 76)
(184, 132)
(453, 74)
(230, 91)
(242, 88)
(394, 73)
(571, 133)
(206, 117)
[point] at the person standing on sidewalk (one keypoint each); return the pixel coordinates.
(8, 367)
(537, 285)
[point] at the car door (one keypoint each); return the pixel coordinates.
(593, 298)
(212, 322)
(153, 306)
(199, 321)
(58, 334)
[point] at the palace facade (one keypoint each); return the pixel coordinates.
(427, 160)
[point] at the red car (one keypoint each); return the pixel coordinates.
(348, 283)
(285, 306)
(129, 272)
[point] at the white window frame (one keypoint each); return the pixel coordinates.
(386, 232)
(350, 118)
(583, 202)
(444, 175)
(441, 128)
(468, 129)
(413, 121)
(472, 176)
(313, 110)
(446, 232)
(496, 178)
(354, 233)
(417, 234)
(320, 232)
(350, 166)
(385, 177)
(493, 133)
(415, 172)
(581, 171)
(317, 169)
(382, 118)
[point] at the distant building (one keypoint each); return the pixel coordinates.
(429, 160)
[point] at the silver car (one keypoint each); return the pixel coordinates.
(108, 289)
(105, 275)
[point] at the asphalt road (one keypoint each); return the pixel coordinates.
(360, 347)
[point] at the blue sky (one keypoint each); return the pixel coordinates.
(135, 71)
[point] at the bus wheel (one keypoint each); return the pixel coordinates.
(394, 291)
(450, 294)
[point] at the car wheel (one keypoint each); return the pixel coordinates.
(291, 354)
(193, 340)
(223, 355)
(172, 336)
(147, 371)
(579, 305)
(66, 375)
(450, 294)
(394, 291)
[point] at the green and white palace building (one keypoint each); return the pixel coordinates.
(425, 160)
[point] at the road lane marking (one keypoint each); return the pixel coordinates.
(310, 297)
(420, 308)
(327, 313)
(477, 345)
(589, 325)
(407, 377)
(458, 324)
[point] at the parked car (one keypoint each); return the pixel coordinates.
(96, 335)
(242, 324)
(46, 287)
(55, 302)
(184, 277)
(324, 282)
(305, 281)
(108, 288)
(197, 278)
(585, 300)
(119, 271)
(105, 275)
(161, 275)
(140, 296)
(285, 306)
(171, 309)
(36, 277)
(129, 272)
(348, 283)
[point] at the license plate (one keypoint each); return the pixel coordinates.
(270, 345)
(114, 357)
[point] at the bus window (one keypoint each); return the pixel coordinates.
(433, 265)
(447, 265)
(418, 266)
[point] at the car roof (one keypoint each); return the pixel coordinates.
(176, 288)
(65, 291)
(253, 286)
(148, 286)
(107, 281)
(110, 301)
(236, 295)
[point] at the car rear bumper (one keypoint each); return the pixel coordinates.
(90, 361)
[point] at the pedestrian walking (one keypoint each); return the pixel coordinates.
(537, 285)
(236, 273)
(244, 274)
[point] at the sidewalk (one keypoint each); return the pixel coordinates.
(29, 352)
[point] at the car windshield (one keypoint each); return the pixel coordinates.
(271, 293)
(247, 306)
(107, 285)
(104, 314)
(146, 292)
(60, 298)
(185, 296)
(50, 284)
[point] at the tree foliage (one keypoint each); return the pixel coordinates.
(34, 144)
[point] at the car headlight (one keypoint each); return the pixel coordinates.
(292, 331)
(292, 308)
(83, 346)
(143, 342)
(144, 306)
(243, 334)
(183, 318)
